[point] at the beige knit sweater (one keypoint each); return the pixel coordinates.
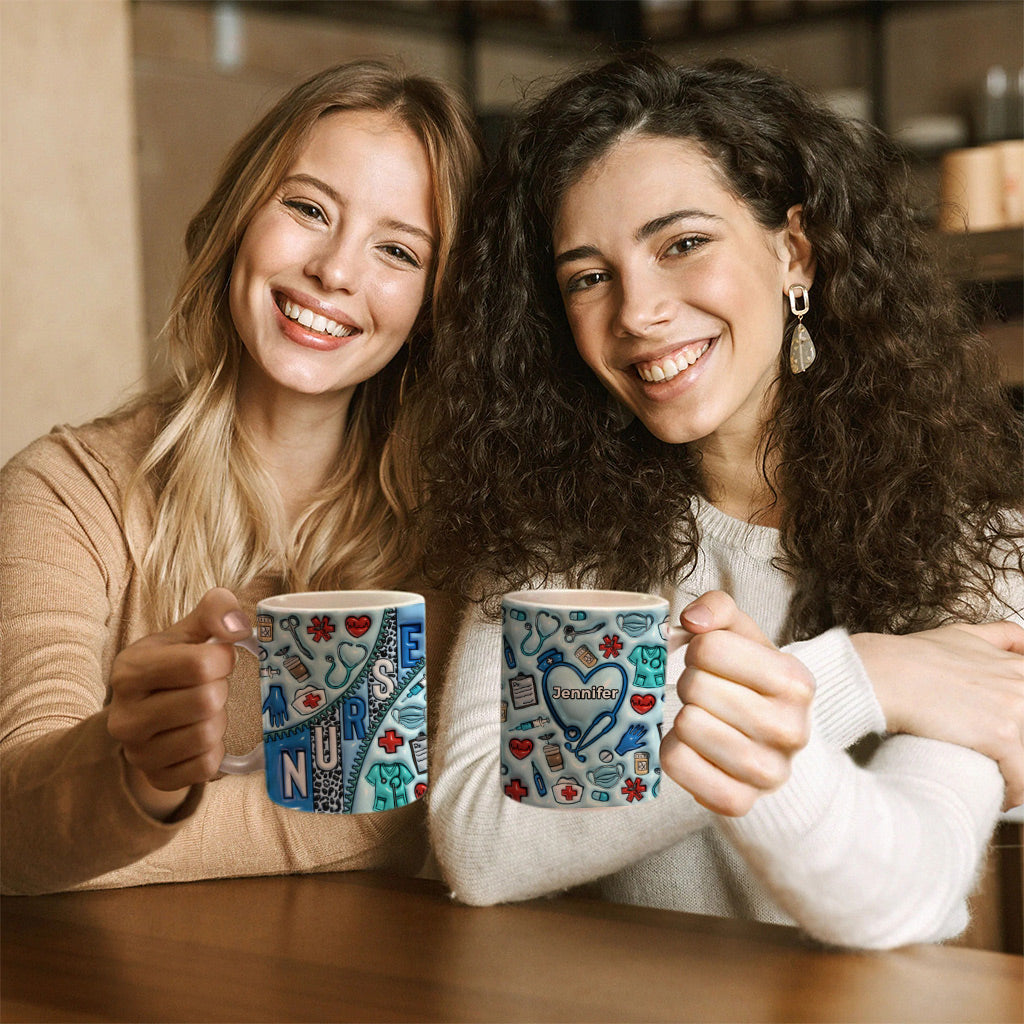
(70, 600)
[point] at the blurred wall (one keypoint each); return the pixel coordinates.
(71, 343)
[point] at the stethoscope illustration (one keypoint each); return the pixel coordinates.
(576, 739)
(350, 666)
(542, 637)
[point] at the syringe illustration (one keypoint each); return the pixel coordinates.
(534, 723)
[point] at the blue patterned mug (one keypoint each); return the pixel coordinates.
(582, 691)
(343, 692)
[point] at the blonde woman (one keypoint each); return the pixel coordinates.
(272, 460)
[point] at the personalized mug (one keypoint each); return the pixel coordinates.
(343, 693)
(582, 691)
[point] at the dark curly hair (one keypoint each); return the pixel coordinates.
(898, 456)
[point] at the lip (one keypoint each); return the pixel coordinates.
(300, 335)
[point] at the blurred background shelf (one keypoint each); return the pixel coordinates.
(987, 256)
(990, 267)
(593, 27)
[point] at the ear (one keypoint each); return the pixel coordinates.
(798, 246)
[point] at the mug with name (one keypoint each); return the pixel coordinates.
(583, 683)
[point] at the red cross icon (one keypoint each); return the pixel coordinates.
(311, 700)
(568, 792)
(516, 790)
(390, 742)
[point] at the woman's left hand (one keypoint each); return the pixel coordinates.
(960, 683)
(746, 710)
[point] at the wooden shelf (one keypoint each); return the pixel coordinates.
(987, 257)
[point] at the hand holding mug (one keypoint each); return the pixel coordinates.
(746, 710)
(168, 696)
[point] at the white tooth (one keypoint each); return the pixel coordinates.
(331, 327)
(289, 309)
(671, 368)
(657, 373)
(319, 323)
(305, 318)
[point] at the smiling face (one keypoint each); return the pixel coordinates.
(673, 290)
(332, 270)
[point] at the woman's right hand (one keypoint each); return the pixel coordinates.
(960, 683)
(746, 710)
(167, 706)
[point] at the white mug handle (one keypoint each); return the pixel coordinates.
(677, 637)
(243, 764)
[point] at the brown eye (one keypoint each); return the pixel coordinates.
(682, 246)
(398, 252)
(309, 210)
(586, 281)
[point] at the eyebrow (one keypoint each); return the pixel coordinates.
(642, 234)
(582, 252)
(652, 227)
(335, 197)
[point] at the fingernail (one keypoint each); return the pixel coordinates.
(236, 622)
(699, 615)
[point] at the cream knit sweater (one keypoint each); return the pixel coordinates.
(70, 600)
(874, 856)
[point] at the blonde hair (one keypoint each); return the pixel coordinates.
(218, 517)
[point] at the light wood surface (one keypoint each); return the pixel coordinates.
(366, 947)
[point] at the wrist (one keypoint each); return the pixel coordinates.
(160, 804)
(872, 649)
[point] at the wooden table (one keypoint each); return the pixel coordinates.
(366, 947)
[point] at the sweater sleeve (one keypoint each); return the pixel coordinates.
(67, 811)
(493, 849)
(875, 856)
(879, 856)
(69, 818)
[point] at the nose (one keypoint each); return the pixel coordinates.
(337, 264)
(644, 304)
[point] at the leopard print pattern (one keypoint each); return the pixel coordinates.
(328, 785)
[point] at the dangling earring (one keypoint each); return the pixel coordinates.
(801, 350)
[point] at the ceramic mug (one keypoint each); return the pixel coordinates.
(582, 692)
(343, 696)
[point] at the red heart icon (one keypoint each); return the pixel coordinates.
(357, 625)
(520, 748)
(642, 702)
(421, 788)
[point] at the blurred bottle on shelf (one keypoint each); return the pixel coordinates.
(980, 187)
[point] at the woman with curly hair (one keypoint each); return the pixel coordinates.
(275, 459)
(699, 347)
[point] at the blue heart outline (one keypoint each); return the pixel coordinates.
(552, 659)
